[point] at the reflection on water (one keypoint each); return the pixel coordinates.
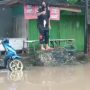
(47, 78)
(16, 75)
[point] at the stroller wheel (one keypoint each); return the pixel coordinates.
(15, 65)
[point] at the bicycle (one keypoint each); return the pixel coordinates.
(14, 62)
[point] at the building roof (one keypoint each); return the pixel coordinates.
(73, 3)
(8, 2)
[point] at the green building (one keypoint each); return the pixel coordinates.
(70, 26)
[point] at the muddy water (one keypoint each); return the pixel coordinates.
(47, 78)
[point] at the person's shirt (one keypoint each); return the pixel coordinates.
(43, 19)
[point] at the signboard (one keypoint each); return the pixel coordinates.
(54, 13)
(30, 12)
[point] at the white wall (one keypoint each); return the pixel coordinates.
(16, 43)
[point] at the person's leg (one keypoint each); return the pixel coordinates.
(41, 39)
(46, 32)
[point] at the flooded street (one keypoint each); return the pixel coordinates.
(66, 77)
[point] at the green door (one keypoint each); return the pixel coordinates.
(72, 27)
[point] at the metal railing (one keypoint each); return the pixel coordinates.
(54, 41)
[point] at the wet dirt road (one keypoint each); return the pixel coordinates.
(47, 78)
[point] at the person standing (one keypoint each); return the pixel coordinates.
(43, 23)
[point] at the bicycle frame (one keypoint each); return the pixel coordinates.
(10, 51)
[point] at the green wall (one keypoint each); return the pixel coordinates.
(33, 32)
(69, 27)
(73, 27)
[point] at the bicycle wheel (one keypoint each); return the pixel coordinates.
(15, 65)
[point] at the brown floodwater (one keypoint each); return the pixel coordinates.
(75, 77)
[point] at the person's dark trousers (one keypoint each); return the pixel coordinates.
(44, 36)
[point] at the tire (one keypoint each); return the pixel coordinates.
(15, 65)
